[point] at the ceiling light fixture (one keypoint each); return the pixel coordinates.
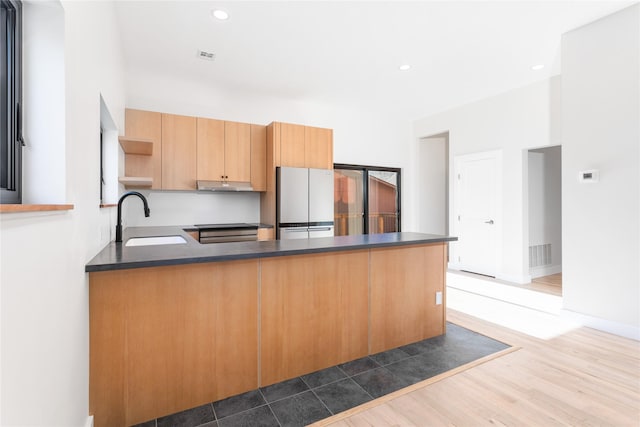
(220, 14)
(537, 67)
(404, 67)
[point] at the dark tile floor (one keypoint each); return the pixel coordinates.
(312, 397)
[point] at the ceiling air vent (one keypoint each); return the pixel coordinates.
(209, 56)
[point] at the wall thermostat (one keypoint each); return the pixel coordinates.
(589, 176)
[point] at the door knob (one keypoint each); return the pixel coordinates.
(489, 222)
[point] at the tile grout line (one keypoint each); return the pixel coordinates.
(269, 406)
(274, 415)
(322, 401)
(215, 416)
(241, 412)
(286, 397)
(362, 388)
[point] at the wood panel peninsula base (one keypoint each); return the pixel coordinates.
(169, 338)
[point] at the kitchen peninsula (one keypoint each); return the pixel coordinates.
(177, 326)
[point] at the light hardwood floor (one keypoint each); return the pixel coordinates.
(548, 284)
(582, 377)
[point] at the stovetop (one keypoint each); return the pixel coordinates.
(227, 226)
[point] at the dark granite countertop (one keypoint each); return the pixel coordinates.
(117, 256)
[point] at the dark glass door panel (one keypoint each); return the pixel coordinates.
(348, 202)
(383, 202)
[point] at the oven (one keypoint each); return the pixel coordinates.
(223, 233)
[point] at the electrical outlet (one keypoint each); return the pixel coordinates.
(438, 298)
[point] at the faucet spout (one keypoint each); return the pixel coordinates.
(147, 212)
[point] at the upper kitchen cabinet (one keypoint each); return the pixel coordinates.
(178, 152)
(318, 148)
(302, 146)
(210, 149)
(143, 149)
(292, 145)
(237, 151)
(224, 150)
(259, 157)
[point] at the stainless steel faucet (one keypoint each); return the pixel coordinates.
(147, 212)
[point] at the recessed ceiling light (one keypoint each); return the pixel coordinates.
(220, 14)
(537, 67)
(404, 67)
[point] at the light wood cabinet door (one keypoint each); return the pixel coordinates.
(318, 148)
(292, 145)
(313, 313)
(144, 125)
(259, 157)
(210, 149)
(164, 339)
(404, 282)
(237, 151)
(178, 152)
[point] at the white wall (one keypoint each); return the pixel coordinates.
(360, 137)
(43, 100)
(44, 293)
(601, 130)
(513, 122)
(545, 205)
(188, 208)
(432, 186)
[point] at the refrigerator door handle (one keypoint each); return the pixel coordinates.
(320, 228)
(295, 230)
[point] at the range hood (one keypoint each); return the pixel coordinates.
(229, 186)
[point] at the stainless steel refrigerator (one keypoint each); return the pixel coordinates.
(304, 207)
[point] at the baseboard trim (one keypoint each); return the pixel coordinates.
(520, 280)
(545, 271)
(89, 422)
(616, 328)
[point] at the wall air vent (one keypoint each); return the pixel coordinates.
(209, 56)
(539, 255)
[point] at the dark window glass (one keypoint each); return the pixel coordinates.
(11, 98)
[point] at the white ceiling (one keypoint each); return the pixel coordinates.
(348, 53)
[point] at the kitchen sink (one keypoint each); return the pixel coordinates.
(156, 240)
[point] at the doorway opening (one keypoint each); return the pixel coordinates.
(433, 188)
(544, 185)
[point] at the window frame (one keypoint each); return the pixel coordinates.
(11, 191)
(365, 191)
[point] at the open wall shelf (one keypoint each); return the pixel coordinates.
(136, 145)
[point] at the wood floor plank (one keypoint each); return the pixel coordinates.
(583, 377)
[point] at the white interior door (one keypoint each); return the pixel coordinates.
(478, 212)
